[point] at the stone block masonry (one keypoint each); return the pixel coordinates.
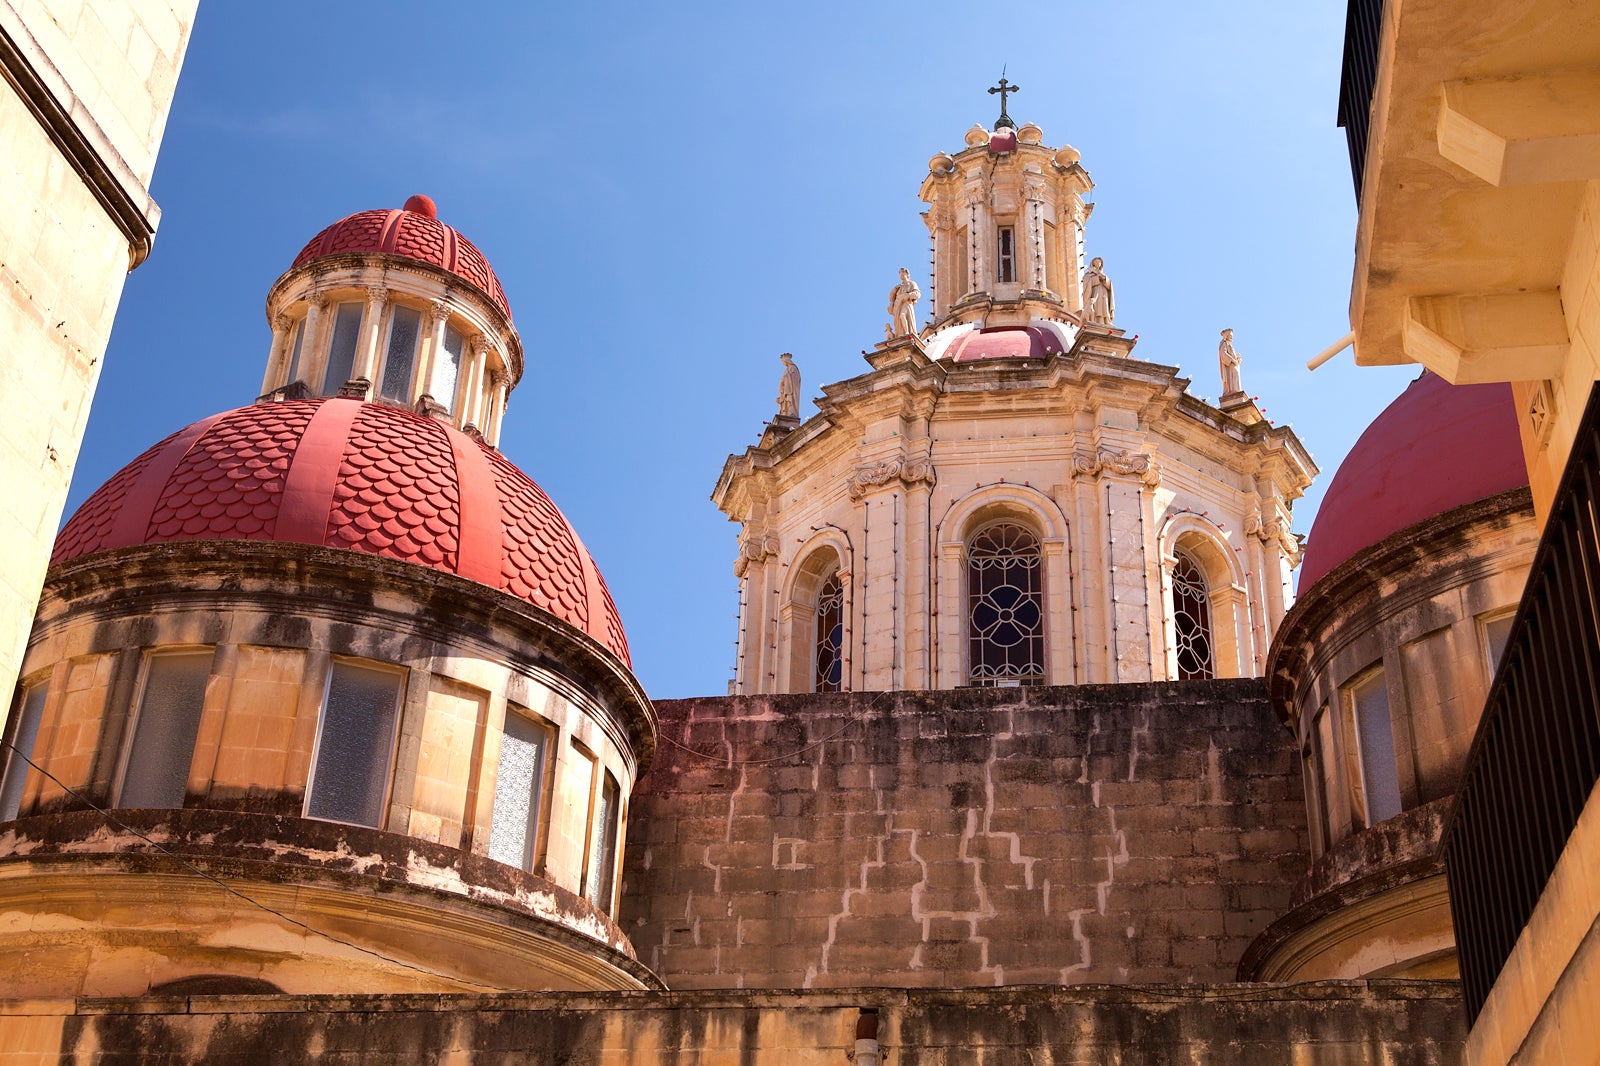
(1401, 1023)
(975, 837)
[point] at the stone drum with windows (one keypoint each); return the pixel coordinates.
(1413, 571)
(329, 657)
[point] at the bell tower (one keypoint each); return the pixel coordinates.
(1006, 216)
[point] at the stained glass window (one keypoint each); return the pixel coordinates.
(830, 635)
(1005, 609)
(1191, 618)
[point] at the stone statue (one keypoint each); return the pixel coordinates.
(1099, 305)
(1228, 359)
(903, 306)
(789, 388)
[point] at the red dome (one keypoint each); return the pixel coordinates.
(1003, 342)
(362, 476)
(412, 232)
(1436, 447)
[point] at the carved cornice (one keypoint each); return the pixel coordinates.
(908, 471)
(45, 92)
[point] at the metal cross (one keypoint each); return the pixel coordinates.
(1003, 89)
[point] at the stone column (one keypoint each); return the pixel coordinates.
(499, 382)
(1071, 230)
(432, 343)
(950, 656)
(366, 365)
(916, 543)
(312, 349)
(978, 235)
(472, 403)
(1058, 614)
(1035, 216)
(1090, 585)
(276, 355)
(1127, 584)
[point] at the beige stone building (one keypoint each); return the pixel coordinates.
(333, 652)
(82, 108)
(1473, 138)
(1007, 496)
(325, 741)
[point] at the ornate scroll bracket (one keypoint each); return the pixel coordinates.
(909, 471)
(1273, 529)
(754, 548)
(1111, 461)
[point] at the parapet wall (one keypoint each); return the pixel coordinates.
(1401, 1023)
(1116, 833)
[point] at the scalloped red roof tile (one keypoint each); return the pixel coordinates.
(413, 235)
(360, 476)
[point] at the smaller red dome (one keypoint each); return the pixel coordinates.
(1003, 141)
(415, 233)
(361, 476)
(1435, 448)
(1003, 342)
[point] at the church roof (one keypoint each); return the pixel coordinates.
(1004, 342)
(1436, 447)
(365, 477)
(414, 233)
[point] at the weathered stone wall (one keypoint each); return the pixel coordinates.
(1120, 833)
(1398, 1023)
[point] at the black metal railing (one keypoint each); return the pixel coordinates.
(1536, 755)
(1363, 23)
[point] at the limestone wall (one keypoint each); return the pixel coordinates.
(1118, 833)
(1397, 1023)
(82, 110)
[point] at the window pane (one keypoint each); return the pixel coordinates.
(356, 745)
(1005, 611)
(603, 844)
(1379, 772)
(447, 368)
(518, 792)
(157, 774)
(1008, 270)
(342, 353)
(1191, 618)
(405, 327)
(830, 636)
(16, 765)
(1495, 632)
(294, 352)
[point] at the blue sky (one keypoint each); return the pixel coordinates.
(672, 195)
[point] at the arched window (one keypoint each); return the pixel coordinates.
(1191, 617)
(829, 671)
(1005, 609)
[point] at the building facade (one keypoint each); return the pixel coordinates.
(83, 105)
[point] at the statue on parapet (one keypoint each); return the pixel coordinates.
(789, 389)
(903, 306)
(1099, 302)
(1228, 360)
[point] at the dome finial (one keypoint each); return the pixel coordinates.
(1003, 89)
(423, 205)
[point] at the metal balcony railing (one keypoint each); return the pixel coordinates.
(1363, 23)
(1536, 755)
